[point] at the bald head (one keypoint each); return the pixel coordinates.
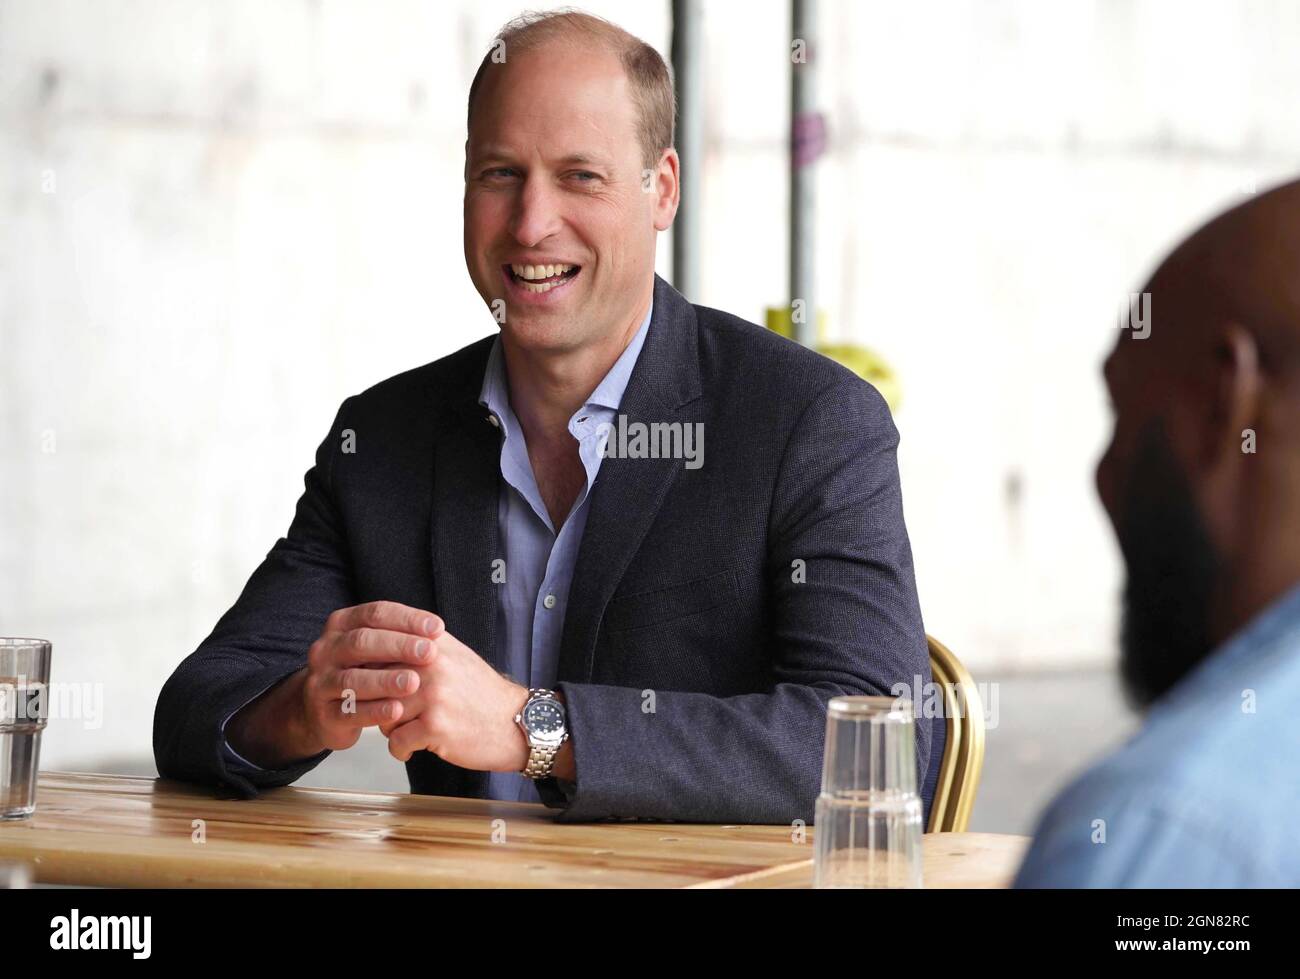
(572, 35)
(1202, 476)
(1242, 267)
(1224, 309)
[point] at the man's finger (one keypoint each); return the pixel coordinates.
(392, 616)
(406, 739)
(366, 646)
(364, 713)
(373, 684)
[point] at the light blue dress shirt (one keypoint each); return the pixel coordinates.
(538, 562)
(1206, 794)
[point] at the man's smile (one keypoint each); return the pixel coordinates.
(541, 282)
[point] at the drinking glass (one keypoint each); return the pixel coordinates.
(868, 830)
(24, 710)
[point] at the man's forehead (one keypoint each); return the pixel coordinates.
(558, 136)
(1125, 366)
(495, 149)
(573, 119)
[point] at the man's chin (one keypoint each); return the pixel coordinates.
(1172, 574)
(539, 334)
(1138, 655)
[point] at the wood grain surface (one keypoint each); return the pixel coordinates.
(141, 832)
(949, 860)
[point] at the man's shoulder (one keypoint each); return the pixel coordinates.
(1171, 807)
(740, 341)
(439, 383)
(743, 360)
(1201, 796)
(1108, 829)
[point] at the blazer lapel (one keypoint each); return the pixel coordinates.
(466, 485)
(664, 387)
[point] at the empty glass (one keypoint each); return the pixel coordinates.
(24, 709)
(868, 829)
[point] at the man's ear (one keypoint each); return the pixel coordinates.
(1229, 419)
(667, 187)
(1238, 381)
(1211, 419)
(465, 169)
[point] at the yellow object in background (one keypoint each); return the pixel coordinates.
(864, 362)
(779, 320)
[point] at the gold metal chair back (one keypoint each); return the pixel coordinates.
(963, 754)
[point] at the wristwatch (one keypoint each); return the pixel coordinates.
(543, 722)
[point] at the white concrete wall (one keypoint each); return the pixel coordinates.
(218, 219)
(999, 175)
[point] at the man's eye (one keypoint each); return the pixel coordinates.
(585, 175)
(498, 172)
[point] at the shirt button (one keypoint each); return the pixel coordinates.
(492, 419)
(549, 601)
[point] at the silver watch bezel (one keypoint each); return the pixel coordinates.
(537, 738)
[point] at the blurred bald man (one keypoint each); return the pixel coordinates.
(1202, 484)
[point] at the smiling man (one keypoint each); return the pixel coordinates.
(526, 614)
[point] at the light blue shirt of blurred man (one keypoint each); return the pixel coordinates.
(1206, 794)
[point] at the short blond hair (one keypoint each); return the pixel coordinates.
(650, 80)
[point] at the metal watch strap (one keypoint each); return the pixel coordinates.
(541, 757)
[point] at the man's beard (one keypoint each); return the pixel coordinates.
(1173, 571)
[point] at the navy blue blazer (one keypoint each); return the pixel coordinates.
(744, 593)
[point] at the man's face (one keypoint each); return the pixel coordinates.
(1171, 565)
(554, 177)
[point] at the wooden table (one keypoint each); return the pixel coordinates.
(115, 831)
(949, 860)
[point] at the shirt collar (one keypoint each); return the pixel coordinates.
(494, 394)
(1273, 631)
(1279, 620)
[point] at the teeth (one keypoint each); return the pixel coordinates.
(538, 272)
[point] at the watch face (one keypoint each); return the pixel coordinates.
(544, 718)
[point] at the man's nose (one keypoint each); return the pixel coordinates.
(537, 212)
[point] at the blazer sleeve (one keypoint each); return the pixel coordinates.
(259, 641)
(852, 626)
